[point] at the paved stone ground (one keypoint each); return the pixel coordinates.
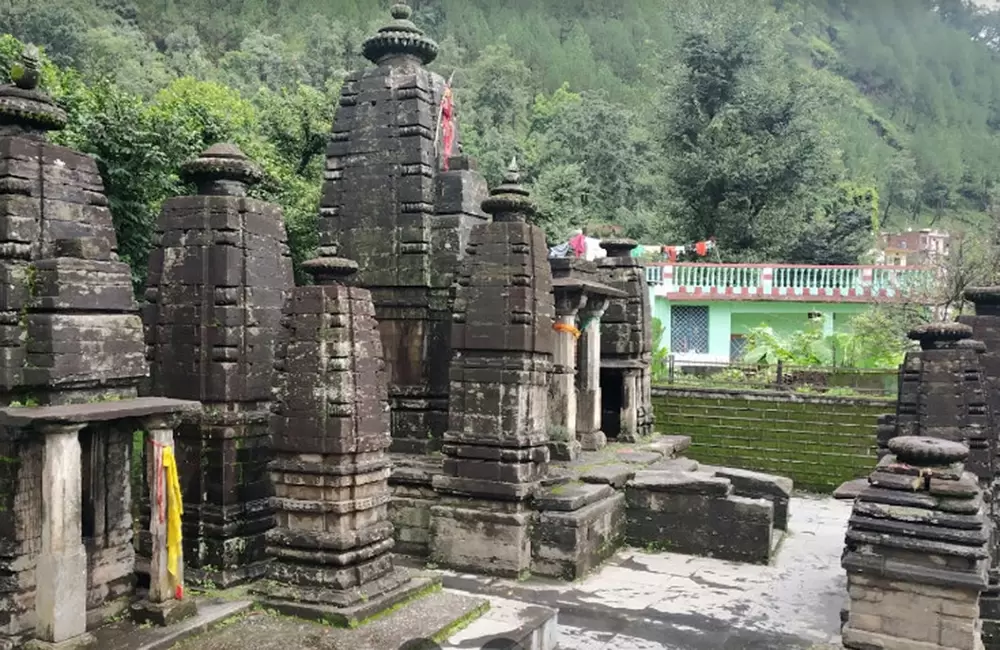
(641, 601)
(638, 601)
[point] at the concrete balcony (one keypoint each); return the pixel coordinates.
(789, 282)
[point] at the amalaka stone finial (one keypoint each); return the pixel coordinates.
(27, 72)
(922, 451)
(222, 170)
(510, 201)
(986, 300)
(400, 38)
(24, 109)
(619, 247)
(940, 335)
(330, 270)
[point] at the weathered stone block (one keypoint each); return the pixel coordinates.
(482, 536)
(569, 544)
(697, 518)
(757, 485)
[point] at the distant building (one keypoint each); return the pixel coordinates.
(707, 310)
(913, 248)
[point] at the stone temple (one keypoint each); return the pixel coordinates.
(441, 392)
(70, 369)
(217, 281)
(387, 205)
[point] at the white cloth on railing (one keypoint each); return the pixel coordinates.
(593, 250)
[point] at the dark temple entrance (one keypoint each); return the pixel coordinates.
(612, 400)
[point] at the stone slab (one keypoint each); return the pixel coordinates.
(127, 636)
(163, 614)
(614, 475)
(524, 625)
(676, 465)
(81, 642)
(757, 481)
(669, 445)
(435, 616)
(681, 483)
(757, 485)
(638, 457)
(571, 497)
(95, 412)
(851, 489)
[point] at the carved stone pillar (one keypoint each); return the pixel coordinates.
(588, 376)
(162, 606)
(563, 443)
(631, 415)
(61, 574)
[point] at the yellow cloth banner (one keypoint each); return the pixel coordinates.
(175, 509)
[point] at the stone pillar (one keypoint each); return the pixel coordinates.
(162, 606)
(61, 574)
(588, 376)
(917, 552)
(496, 448)
(630, 413)
(332, 536)
(563, 443)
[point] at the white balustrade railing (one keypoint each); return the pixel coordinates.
(783, 280)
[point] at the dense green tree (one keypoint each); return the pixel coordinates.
(749, 157)
(786, 128)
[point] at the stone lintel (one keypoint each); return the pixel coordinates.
(98, 412)
(623, 364)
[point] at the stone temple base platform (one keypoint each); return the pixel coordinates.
(446, 619)
(645, 495)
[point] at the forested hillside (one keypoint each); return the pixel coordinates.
(789, 130)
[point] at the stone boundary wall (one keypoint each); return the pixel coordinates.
(818, 442)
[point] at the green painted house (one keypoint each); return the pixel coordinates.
(707, 309)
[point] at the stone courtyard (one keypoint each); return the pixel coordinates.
(444, 436)
(637, 601)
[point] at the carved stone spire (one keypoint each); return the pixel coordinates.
(222, 170)
(510, 201)
(24, 110)
(400, 38)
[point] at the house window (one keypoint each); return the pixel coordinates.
(737, 346)
(689, 330)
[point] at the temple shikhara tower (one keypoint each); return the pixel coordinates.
(496, 449)
(217, 280)
(388, 205)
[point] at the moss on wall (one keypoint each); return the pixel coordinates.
(818, 442)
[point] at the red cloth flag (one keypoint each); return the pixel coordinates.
(447, 124)
(579, 245)
(701, 248)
